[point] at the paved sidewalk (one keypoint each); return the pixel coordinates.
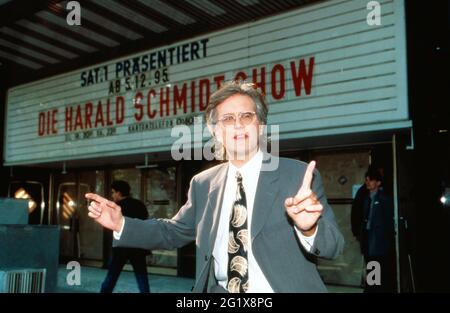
(92, 278)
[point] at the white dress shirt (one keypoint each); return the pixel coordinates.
(250, 175)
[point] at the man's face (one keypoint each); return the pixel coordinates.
(372, 184)
(238, 127)
(116, 195)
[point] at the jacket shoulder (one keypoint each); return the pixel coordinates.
(287, 164)
(295, 170)
(209, 173)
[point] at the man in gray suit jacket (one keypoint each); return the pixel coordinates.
(258, 228)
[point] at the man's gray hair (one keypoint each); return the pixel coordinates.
(232, 88)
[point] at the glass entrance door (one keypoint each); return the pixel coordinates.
(67, 217)
(161, 201)
(81, 237)
(90, 232)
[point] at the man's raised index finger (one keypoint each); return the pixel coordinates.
(307, 179)
(95, 197)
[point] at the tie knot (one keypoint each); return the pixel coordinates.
(239, 178)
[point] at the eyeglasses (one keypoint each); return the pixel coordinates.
(245, 118)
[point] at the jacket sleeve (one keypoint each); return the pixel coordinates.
(161, 233)
(329, 242)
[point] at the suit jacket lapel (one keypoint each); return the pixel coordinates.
(266, 192)
(215, 197)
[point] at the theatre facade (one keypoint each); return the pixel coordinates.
(336, 83)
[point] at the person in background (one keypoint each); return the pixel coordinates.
(132, 208)
(357, 210)
(377, 230)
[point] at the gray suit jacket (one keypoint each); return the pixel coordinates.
(282, 258)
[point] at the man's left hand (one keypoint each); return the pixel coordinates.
(305, 209)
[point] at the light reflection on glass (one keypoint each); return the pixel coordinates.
(21, 193)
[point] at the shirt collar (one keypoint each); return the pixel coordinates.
(251, 167)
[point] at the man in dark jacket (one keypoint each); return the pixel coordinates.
(120, 192)
(377, 233)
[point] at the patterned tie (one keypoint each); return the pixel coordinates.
(238, 242)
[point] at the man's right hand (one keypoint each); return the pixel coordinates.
(105, 212)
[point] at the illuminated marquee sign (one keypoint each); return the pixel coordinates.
(152, 104)
(323, 68)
